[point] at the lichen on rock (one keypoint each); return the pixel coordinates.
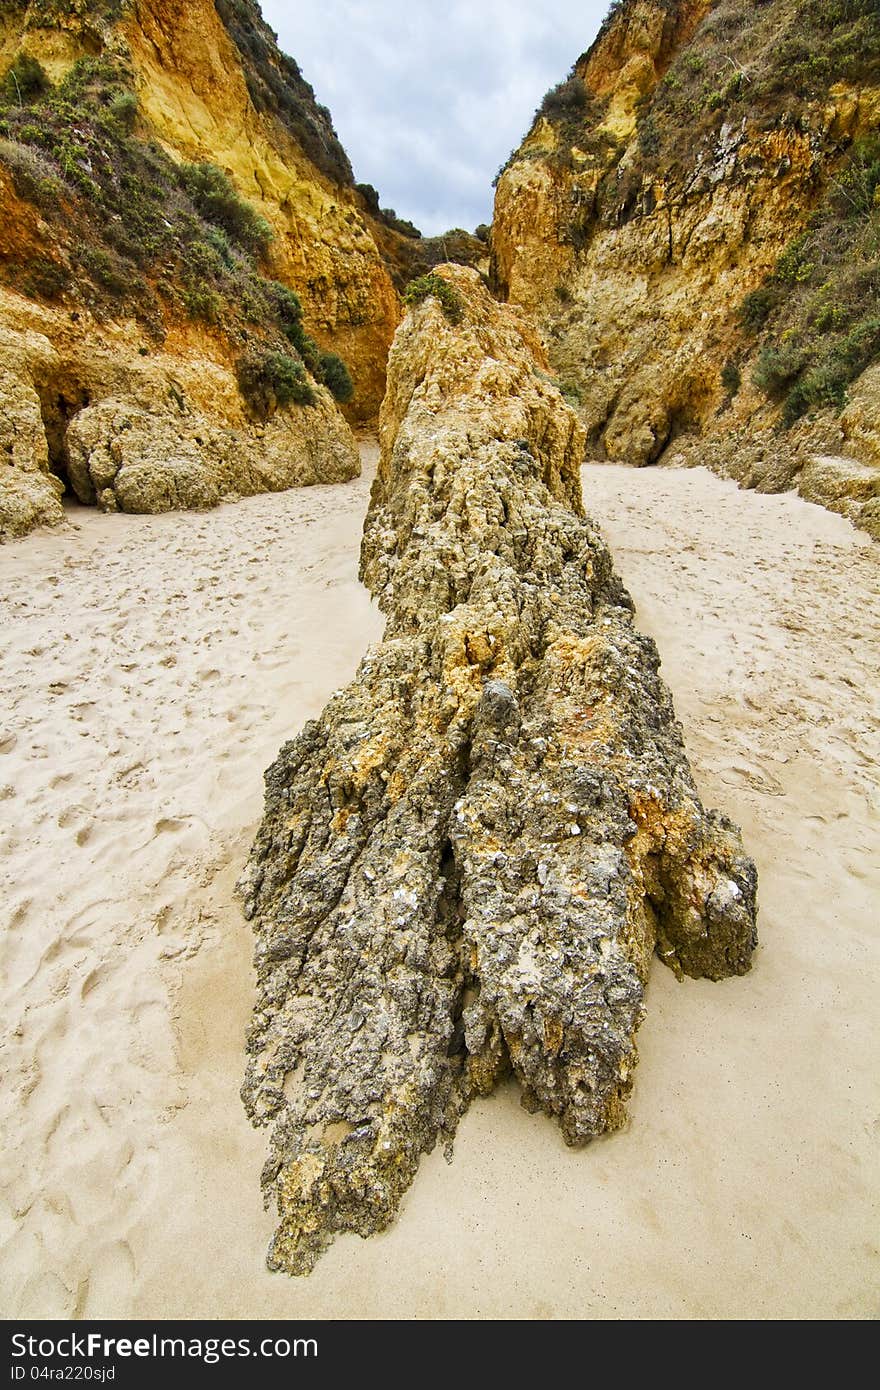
(467, 861)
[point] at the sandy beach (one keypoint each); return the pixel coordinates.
(151, 668)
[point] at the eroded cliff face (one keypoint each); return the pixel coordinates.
(466, 863)
(666, 181)
(138, 290)
(195, 85)
(97, 411)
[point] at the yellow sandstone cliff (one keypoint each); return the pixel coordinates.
(674, 219)
(121, 347)
(192, 85)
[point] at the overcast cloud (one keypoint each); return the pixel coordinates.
(430, 98)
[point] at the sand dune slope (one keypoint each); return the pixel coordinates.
(150, 669)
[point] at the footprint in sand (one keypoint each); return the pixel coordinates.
(44, 1296)
(109, 1288)
(87, 917)
(756, 778)
(19, 913)
(169, 825)
(93, 979)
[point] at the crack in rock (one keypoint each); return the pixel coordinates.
(467, 862)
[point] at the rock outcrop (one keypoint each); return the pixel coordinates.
(466, 863)
(212, 85)
(166, 179)
(30, 493)
(691, 220)
(126, 427)
(200, 72)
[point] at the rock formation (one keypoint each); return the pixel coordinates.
(166, 177)
(134, 433)
(466, 863)
(693, 220)
(214, 86)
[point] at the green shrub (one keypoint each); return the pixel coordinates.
(284, 304)
(45, 279)
(201, 302)
(336, 377)
(427, 286)
(34, 177)
(269, 380)
(856, 188)
(216, 199)
(370, 196)
(565, 99)
(124, 110)
(794, 265)
(825, 381)
(777, 366)
(310, 353)
(756, 308)
(731, 377)
(649, 136)
(399, 224)
(203, 260)
(25, 80)
(217, 238)
(111, 272)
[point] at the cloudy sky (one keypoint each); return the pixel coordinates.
(430, 96)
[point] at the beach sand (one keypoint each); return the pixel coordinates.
(151, 668)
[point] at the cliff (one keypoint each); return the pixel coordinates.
(187, 272)
(467, 861)
(693, 220)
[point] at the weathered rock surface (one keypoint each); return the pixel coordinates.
(30, 494)
(467, 861)
(141, 433)
(634, 257)
(199, 68)
(129, 458)
(136, 391)
(846, 486)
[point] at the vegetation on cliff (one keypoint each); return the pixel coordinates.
(434, 286)
(694, 219)
(762, 63)
(818, 312)
(85, 15)
(768, 65)
(277, 87)
(759, 63)
(129, 231)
